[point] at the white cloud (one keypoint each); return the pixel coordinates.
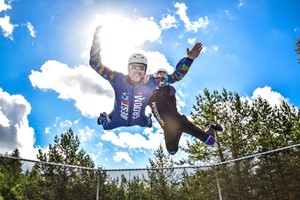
(81, 84)
(100, 145)
(274, 98)
(168, 22)
(31, 29)
(47, 130)
(215, 49)
(138, 142)
(119, 156)
(204, 49)
(157, 60)
(190, 25)
(210, 50)
(65, 124)
(130, 33)
(192, 41)
(6, 26)
(180, 100)
(241, 3)
(228, 14)
(86, 134)
(185, 138)
(76, 121)
(4, 121)
(15, 131)
(133, 141)
(3, 6)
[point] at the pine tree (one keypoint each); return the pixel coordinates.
(161, 176)
(249, 128)
(138, 189)
(29, 186)
(63, 182)
(10, 175)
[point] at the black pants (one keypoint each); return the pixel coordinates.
(175, 129)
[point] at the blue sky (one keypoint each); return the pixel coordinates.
(46, 85)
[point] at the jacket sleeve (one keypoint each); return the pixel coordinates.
(95, 60)
(182, 68)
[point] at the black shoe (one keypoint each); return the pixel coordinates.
(98, 121)
(211, 132)
(214, 126)
(102, 116)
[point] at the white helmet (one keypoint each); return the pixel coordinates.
(162, 70)
(138, 58)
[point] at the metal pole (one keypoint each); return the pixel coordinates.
(129, 187)
(98, 181)
(218, 183)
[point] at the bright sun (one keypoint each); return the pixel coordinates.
(119, 31)
(121, 36)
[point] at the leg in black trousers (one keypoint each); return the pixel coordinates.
(173, 133)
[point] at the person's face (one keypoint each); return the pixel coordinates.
(161, 74)
(136, 71)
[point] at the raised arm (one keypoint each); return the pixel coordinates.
(182, 66)
(95, 57)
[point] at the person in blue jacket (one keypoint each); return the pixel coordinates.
(132, 91)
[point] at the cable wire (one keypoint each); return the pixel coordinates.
(152, 169)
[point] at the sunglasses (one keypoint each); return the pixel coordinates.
(134, 66)
(161, 73)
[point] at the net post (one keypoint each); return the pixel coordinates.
(98, 181)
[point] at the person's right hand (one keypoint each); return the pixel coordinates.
(97, 41)
(96, 45)
(97, 33)
(98, 29)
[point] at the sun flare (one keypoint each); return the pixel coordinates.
(121, 36)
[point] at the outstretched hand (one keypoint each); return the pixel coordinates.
(96, 45)
(97, 36)
(195, 51)
(97, 32)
